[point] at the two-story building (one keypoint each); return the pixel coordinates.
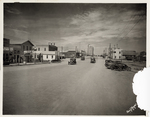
(117, 53)
(46, 52)
(129, 54)
(22, 52)
(6, 51)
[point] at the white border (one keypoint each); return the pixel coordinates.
(65, 1)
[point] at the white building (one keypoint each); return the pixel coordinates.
(91, 50)
(117, 53)
(44, 51)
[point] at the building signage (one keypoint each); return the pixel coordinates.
(6, 48)
(29, 51)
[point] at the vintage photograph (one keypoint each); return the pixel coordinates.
(72, 58)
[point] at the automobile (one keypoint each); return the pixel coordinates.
(116, 65)
(72, 61)
(56, 61)
(121, 67)
(82, 57)
(93, 60)
(109, 64)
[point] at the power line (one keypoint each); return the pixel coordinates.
(130, 29)
(133, 27)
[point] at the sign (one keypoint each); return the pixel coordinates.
(6, 48)
(29, 51)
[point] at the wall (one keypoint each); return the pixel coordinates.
(48, 53)
(42, 48)
(117, 54)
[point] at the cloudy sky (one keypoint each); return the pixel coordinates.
(77, 24)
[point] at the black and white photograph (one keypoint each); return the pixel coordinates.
(72, 58)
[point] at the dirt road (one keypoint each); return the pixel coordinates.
(62, 89)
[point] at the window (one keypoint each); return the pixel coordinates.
(114, 51)
(119, 56)
(18, 52)
(47, 56)
(115, 56)
(44, 49)
(27, 47)
(119, 52)
(23, 47)
(52, 56)
(30, 48)
(15, 52)
(38, 49)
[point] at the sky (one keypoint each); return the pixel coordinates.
(77, 24)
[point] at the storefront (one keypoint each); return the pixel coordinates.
(28, 57)
(6, 50)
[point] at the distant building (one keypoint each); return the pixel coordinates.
(47, 52)
(70, 54)
(21, 52)
(83, 53)
(117, 53)
(129, 54)
(6, 51)
(52, 47)
(91, 50)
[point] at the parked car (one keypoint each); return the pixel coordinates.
(93, 60)
(56, 61)
(82, 57)
(109, 64)
(72, 61)
(116, 65)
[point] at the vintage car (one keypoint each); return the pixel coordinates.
(121, 66)
(109, 64)
(82, 57)
(93, 60)
(72, 61)
(116, 65)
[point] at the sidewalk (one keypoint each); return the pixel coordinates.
(36, 63)
(23, 64)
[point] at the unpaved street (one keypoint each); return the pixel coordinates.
(62, 89)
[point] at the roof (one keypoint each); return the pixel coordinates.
(71, 51)
(128, 52)
(19, 42)
(52, 45)
(41, 45)
(29, 42)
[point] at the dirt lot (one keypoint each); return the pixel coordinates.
(135, 66)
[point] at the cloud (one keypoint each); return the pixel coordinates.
(100, 24)
(12, 10)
